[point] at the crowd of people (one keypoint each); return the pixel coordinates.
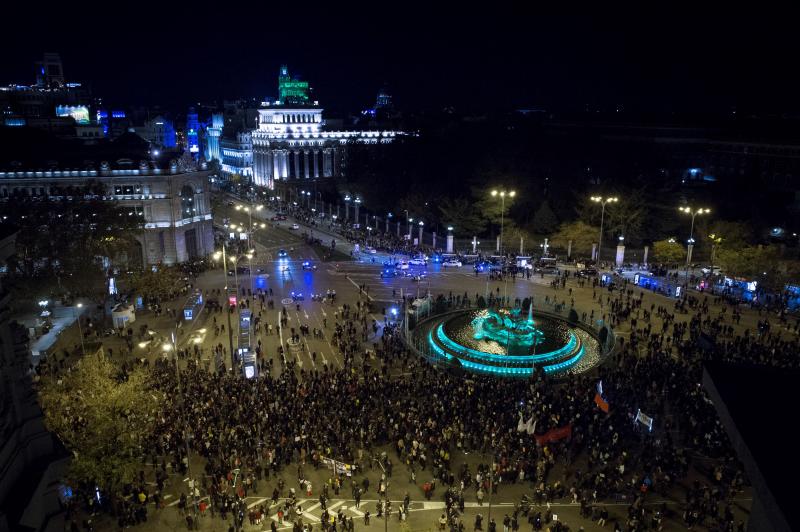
(251, 432)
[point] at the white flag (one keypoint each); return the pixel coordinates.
(521, 425)
(531, 425)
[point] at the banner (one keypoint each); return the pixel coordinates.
(644, 419)
(554, 434)
(339, 467)
(601, 403)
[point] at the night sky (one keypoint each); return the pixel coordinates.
(472, 60)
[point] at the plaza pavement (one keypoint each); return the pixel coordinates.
(345, 281)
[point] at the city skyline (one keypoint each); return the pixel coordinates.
(428, 62)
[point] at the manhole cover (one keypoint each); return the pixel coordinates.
(286, 301)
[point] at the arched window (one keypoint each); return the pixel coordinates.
(188, 208)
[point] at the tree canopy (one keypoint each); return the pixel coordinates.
(72, 242)
(668, 251)
(103, 417)
(582, 235)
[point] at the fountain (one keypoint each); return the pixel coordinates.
(508, 327)
(507, 342)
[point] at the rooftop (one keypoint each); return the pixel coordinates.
(755, 404)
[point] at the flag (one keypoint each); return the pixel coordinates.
(530, 426)
(601, 403)
(521, 424)
(554, 434)
(644, 419)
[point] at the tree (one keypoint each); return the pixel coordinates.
(462, 215)
(154, 285)
(544, 221)
(582, 235)
(668, 251)
(74, 242)
(730, 235)
(103, 417)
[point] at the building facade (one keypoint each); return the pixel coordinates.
(291, 143)
(237, 155)
(213, 136)
(175, 202)
(24, 441)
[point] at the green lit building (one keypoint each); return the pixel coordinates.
(292, 90)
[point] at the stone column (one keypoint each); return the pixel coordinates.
(398, 228)
(646, 250)
(316, 164)
(296, 157)
(569, 249)
(434, 240)
(620, 254)
(306, 173)
(450, 243)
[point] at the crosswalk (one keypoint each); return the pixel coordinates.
(311, 510)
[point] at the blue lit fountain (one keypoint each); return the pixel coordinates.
(507, 342)
(509, 328)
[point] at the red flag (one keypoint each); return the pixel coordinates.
(554, 434)
(601, 403)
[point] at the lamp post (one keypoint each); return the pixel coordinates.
(410, 221)
(357, 201)
(389, 215)
(502, 194)
(80, 330)
(347, 207)
(602, 201)
(421, 224)
(693, 213)
(217, 256)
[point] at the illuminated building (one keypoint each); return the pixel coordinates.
(192, 131)
(237, 155)
(174, 200)
(159, 132)
(50, 71)
(291, 141)
(213, 134)
(292, 91)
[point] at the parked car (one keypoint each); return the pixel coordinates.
(418, 262)
(587, 272)
(452, 263)
(402, 265)
(546, 269)
(716, 270)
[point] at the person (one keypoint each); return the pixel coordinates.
(478, 522)
(442, 522)
(366, 518)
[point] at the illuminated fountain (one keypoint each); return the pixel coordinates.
(509, 328)
(507, 342)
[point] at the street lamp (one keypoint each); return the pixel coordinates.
(80, 330)
(502, 195)
(421, 224)
(693, 213)
(347, 206)
(357, 201)
(410, 221)
(217, 256)
(389, 215)
(602, 201)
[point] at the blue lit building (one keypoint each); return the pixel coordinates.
(192, 132)
(159, 131)
(213, 133)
